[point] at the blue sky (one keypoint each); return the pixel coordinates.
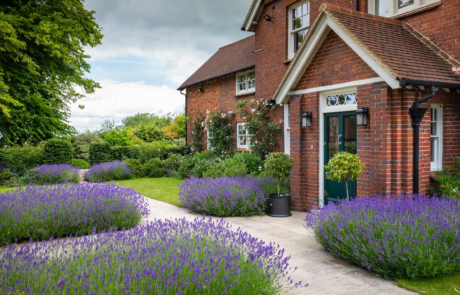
(149, 48)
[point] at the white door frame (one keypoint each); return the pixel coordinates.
(324, 109)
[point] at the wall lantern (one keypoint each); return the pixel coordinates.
(306, 119)
(271, 101)
(361, 116)
(268, 18)
(200, 89)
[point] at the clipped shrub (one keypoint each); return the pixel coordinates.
(226, 169)
(20, 160)
(135, 166)
(42, 212)
(120, 152)
(116, 170)
(153, 168)
(100, 153)
(149, 132)
(55, 173)
(449, 181)
(227, 196)
(81, 143)
(278, 166)
(151, 259)
(58, 151)
(396, 237)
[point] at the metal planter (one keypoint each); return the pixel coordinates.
(279, 206)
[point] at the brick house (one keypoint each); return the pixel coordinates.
(337, 60)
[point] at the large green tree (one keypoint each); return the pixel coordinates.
(42, 64)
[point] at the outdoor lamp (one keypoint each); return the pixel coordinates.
(271, 101)
(361, 116)
(200, 89)
(306, 119)
(268, 18)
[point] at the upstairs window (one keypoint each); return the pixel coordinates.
(299, 24)
(389, 8)
(436, 137)
(246, 82)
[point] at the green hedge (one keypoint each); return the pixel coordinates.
(19, 160)
(80, 163)
(58, 151)
(100, 153)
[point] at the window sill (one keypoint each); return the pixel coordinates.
(241, 149)
(433, 175)
(245, 94)
(418, 10)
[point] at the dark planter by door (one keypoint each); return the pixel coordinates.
(279, 206)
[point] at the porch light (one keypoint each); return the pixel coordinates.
(271, 101)
(306, 119)
(268, 18)
(361, 116)
(200, 89)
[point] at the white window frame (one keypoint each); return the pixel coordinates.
(209, 147)
(246, 134)
(246, 82)
(291, 32)
(287, 129)
(436, 165)
(393, 9)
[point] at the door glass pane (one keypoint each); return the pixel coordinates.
(333, 136)
(381, 7)
(349, 134)
(405, 3)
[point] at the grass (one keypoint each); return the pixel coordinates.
(161, 189)
(5, 189)
(448, 285)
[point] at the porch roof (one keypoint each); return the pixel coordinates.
(230, 59)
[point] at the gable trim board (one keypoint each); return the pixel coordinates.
(253, 14)
(337, 86)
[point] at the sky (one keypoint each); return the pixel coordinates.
(150, 47)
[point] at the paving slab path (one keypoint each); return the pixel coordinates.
(324, 273)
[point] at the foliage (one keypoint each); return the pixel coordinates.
(19, 160)
(278, 166)
(80, 163)
(107, 126)
(164, 257)
(198, 123)
(118, 136)
(100, 153)
(220, 130)
(412, 236)
(44, 212)
(172, 164)
(202, 166)
(81, 143)
(186, 167)
(58, 151)
(228, 196)
(256, 114)
(226, 169)
(153, 168)
(55, 173)
(135, 166)
(42, 66)
(344, 167)
(449, 181)
(252, 161)
(446, 285)
(149, 132)
(5, 175)
(108, 171)
(146, 118)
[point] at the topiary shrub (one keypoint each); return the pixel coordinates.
(226, 169)
(80, 163)
(19, 160)
(100, 153)
(154, 168)
(58, 151)
(278, 166)
(135, 166)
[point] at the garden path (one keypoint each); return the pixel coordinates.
(324, 273)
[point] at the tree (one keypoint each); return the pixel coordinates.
(278, 166)
(344, 167)
(42, 64)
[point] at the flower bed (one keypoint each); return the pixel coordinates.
(56, 173)
(227, 196)
(164, 257)
(116, 170)
(396, 237)
(42, 212)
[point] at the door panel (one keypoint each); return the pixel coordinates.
(340, 135)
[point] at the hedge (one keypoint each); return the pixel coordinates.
(100, 153)
(19, 160)
(58, 151)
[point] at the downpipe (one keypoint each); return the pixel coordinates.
(186, 120)
(417, 113)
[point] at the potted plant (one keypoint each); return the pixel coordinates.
(344, 167)
(279, 165)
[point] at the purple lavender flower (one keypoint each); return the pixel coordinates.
(412, 236)
(56, 173)
(42, 212)
(116, 170)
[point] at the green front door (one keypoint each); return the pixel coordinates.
(340, 134)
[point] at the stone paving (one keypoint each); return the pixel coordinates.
(324, 273)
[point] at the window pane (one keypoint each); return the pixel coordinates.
(405, 3)
(251, 76)
(241, 78)
(242, 86)
(349, 134)
(434, 130)
(298, 39)
(382, 7)
(251, 84)
(434, 149)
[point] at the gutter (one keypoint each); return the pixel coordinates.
(408, 82)
(186, 120)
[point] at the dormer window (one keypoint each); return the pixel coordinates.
(246, 82)
(299, 24)
(389, 8)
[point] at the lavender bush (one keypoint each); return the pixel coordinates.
(163, 257)
(116, 170)
(396, 237)
(227, 196)
(56, 173)
(42, 212)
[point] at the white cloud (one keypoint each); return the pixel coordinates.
(117, 100)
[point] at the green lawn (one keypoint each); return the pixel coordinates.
(162, 189)
(5, 189)
(449, 285)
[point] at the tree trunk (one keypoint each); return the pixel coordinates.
(279, 187)
(346, 185)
